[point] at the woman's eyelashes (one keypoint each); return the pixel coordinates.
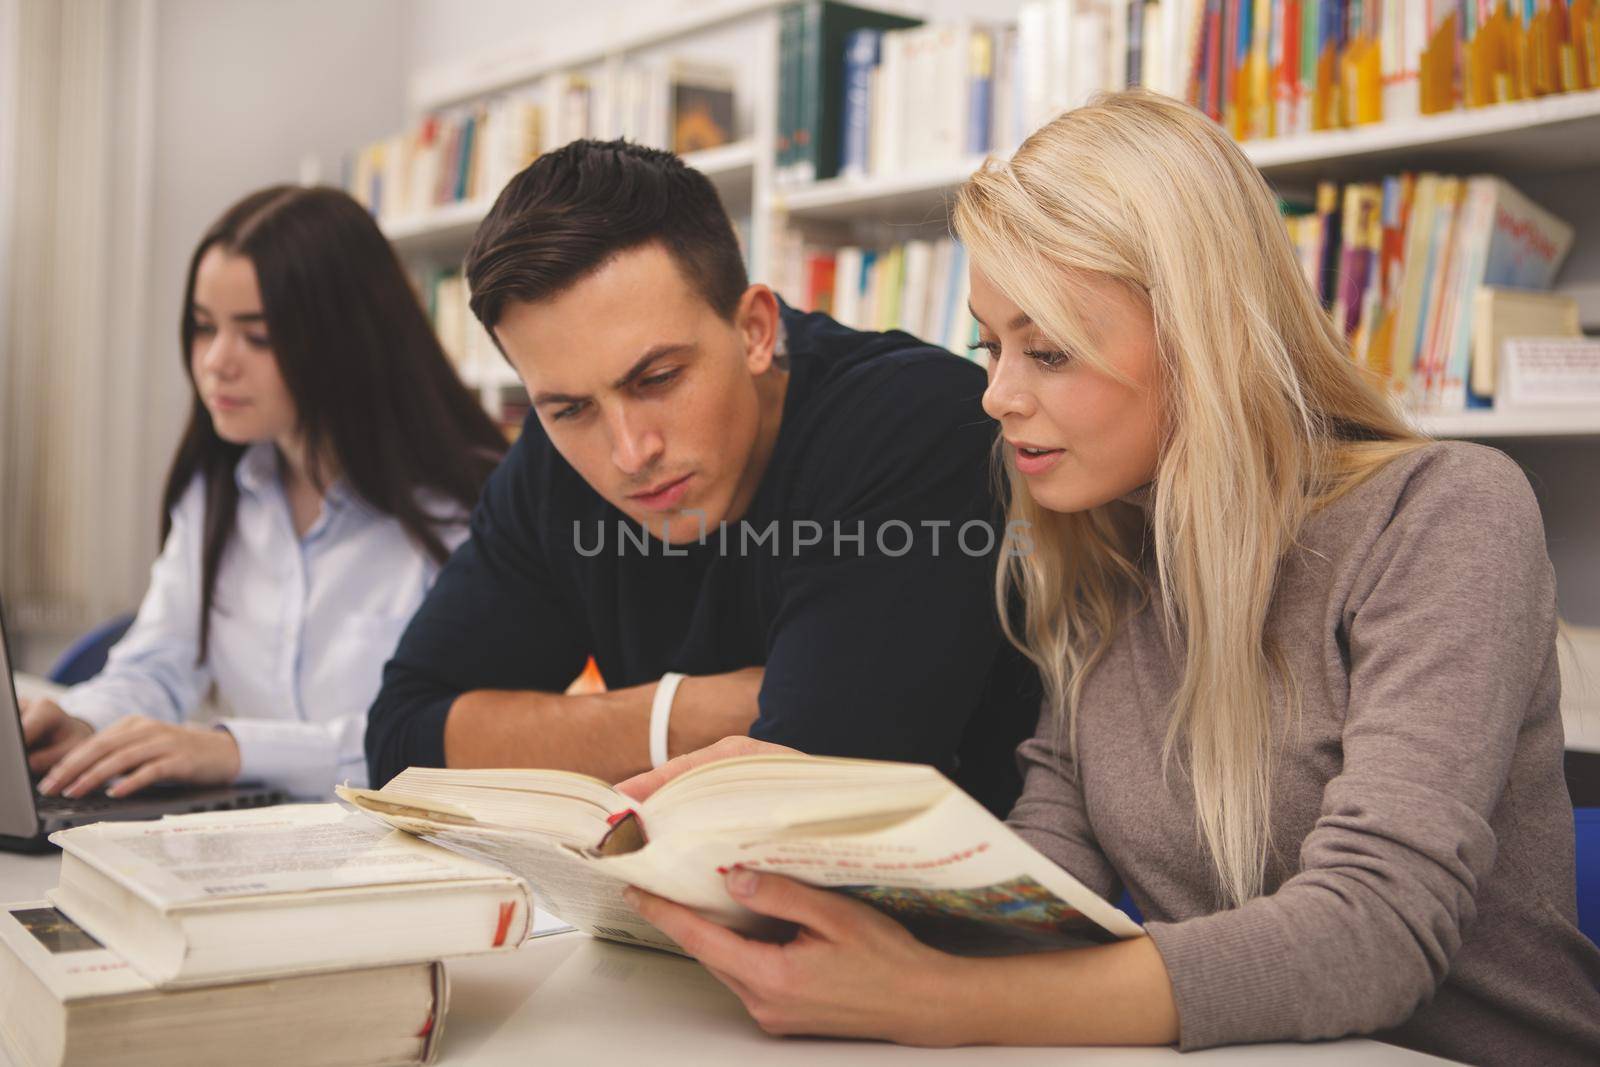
(1046, 357)
(1049, 357)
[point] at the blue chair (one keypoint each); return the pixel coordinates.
(87, 655)
(1586, 832)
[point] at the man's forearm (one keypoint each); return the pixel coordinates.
(602, 734)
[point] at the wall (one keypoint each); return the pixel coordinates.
(241, 93)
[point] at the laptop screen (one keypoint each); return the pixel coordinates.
(17, 815)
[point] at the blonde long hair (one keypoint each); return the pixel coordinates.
(1264, 419)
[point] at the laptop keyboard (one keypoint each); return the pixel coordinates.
(60, 805)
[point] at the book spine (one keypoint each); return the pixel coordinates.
(1214, 64)
(980, 96)
(1133, 74)
(861, 56)
(808, 88)
(788, 88)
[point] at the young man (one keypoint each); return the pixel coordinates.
(795, 516)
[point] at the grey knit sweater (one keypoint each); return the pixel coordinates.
(1422, 886)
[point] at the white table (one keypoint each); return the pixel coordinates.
(569, 999)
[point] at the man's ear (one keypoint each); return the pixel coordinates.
(757, 321)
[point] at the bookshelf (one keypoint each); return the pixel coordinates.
(1551, 134)
(446, 231)
(1549, 147)
(1496, 426)
(917, 197)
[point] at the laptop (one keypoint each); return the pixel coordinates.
(27, 819)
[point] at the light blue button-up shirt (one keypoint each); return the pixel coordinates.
(300, 629)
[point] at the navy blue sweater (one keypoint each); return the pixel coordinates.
(884, 645)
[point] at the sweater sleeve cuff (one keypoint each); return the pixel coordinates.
(1231, 977)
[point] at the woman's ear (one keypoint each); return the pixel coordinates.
(757, 321)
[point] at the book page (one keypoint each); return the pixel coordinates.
(563, 884)
(953, 871)
(224, 856)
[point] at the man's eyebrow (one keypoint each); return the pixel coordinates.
(640, 367)
(1024, 319)
(642, 364)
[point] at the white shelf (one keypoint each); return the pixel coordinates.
(523, 61)
(447, 230)
(1487, 425)
(450, 226)
(1553, 133)
(917, 196)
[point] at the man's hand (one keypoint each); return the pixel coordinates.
(49, 733)
(642, 785)
(142, 752)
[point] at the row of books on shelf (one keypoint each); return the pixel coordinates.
(919, 286)
(469, 153)
(861, 92)
(1266, 68)
(866, 93)
(1425, 273)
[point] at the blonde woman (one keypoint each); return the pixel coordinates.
(1300, 663)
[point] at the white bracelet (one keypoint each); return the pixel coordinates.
(660, 714)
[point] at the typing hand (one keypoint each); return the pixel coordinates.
(145, 751)
(848, 972)
(49, 733)
(642, 785)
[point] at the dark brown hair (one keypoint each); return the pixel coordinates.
(572, 210)
(371, 386)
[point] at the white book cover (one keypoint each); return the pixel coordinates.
(1036, 23)
(225, 896)
(209, 858)
(888, 135)
(914, 297)
(847, 285)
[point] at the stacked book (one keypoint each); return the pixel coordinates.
(1418, 268)
(303, 934)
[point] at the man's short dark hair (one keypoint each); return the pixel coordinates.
(570, 211)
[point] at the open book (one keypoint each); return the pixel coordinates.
(899, 836)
